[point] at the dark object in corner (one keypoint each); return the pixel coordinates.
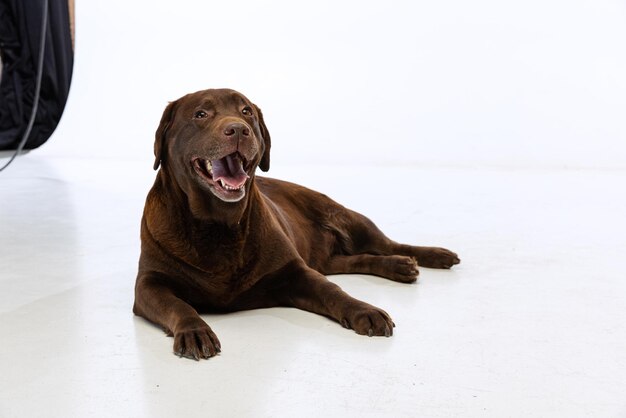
(20, 43)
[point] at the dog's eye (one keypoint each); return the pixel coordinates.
(247, 111)
(200, 114)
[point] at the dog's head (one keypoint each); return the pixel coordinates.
(213, 139)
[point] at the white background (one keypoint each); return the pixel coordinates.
(495, 129)
(506, 84)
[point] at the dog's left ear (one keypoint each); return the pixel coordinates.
(159, 138)
(265, 160)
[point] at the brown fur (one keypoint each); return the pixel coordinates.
(272, 247)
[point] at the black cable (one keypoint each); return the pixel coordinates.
(33, 114)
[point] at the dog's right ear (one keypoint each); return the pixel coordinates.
(159, 140)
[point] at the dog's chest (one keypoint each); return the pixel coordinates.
(219, 250)
(225, 264)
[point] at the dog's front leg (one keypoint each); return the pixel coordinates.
(155, 301)
(311, 291)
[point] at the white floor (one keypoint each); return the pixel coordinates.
(531, 324)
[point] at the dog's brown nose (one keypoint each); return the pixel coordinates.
(238, 129)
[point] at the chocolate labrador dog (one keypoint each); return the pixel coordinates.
(215, 237)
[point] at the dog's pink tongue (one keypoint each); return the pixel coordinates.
(230, 170)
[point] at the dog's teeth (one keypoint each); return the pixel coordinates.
(229, 187)
(208, 165)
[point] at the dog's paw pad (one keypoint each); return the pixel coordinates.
(370, 321)
(401, 269)
(196, 344)
(439, 258)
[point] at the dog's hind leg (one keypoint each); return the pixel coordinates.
(364, 237)
(393, 267)
(432, 257)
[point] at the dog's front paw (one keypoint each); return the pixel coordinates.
(196, 343)
(368, 320)
(438, 258)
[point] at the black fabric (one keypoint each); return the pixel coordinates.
(20, 33)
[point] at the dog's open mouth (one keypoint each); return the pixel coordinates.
(226, 176)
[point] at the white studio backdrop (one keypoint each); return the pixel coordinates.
(507, 84)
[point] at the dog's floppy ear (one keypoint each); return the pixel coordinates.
(265, 160)
(159, 140)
